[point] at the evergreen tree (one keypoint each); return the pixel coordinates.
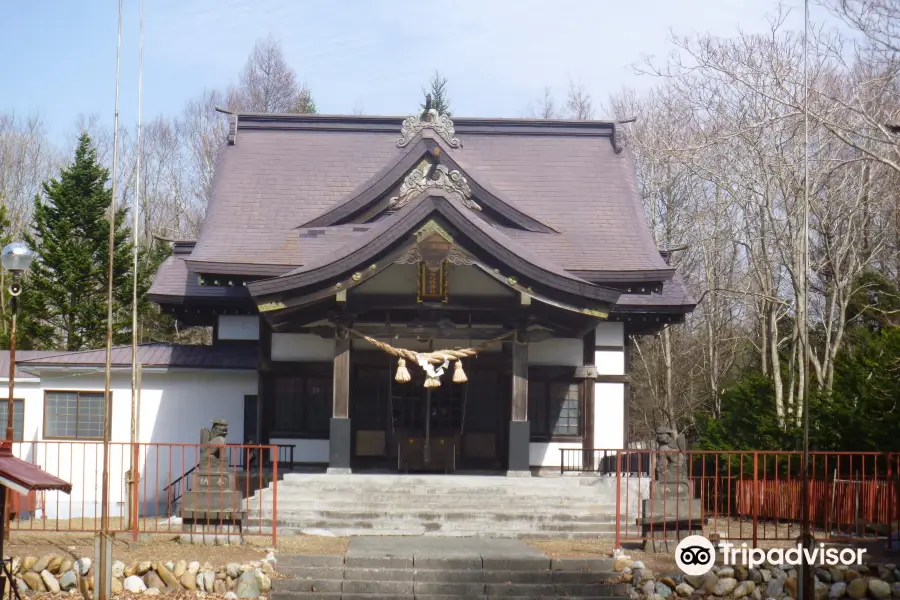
(65, 298)
(437, 87)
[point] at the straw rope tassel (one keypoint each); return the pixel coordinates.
(459, 376)
(432, 382)
(402, 375)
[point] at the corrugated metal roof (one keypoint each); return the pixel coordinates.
(24, 477)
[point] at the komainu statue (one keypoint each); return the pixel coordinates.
(671, 461)
(212, 446)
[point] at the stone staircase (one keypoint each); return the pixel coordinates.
(442, 505)
(445, 578)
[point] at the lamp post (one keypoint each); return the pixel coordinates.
(16, 258)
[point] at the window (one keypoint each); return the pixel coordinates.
(302, 406)
(73, 415)
(554, 407)
(18, 418)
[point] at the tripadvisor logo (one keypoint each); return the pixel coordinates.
(696, 555)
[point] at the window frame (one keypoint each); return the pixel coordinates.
(76, 437)
(17, 402)
(547, 377)
(304, 372)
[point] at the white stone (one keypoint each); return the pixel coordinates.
(233, 570)
(118, 569)
(151, 592)
(230, 596)
(134, 584)
(838, 590)
(83, 565)
(193, 568)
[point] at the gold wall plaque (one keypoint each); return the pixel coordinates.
(432, 283)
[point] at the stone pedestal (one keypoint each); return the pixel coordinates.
(212, 510)
(670, 515)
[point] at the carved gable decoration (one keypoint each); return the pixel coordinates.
(427, 176)
(433, 252)
(430, 119)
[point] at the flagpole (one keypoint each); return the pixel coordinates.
(134, 285)
(806, 539)
(100, 581)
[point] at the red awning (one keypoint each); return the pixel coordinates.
(23, 477)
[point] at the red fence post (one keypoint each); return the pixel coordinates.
(755, 498)
(274, 499)
(890, 493)
(618, 500)
(134, 491)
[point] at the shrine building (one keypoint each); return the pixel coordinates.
(353, 253)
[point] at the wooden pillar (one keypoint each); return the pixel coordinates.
(519, 427)
(339, 435)
(587, 395)
(265, 390)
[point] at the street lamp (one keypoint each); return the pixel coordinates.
(16, 258)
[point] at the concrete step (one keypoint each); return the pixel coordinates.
(348, 596)
(439, 514)
(302, 578)
(422, 531)
(565, 511)
(474, 525)
(456, 489)
(455, 588)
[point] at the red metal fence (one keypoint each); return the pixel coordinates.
(167, 475)
(748, 496)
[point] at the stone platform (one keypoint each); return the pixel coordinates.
(381, 568)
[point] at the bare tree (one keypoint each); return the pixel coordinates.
(578, 103)
(545, 106)
(267, 84)
(26, 159)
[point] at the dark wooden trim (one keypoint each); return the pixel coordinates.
(612, 379)
(265, 389)
(650, 278)
(587, 392)
(606, 349)
(294, 435)
(463, 125)
(519, 396)
(106, 407)
(341, 387)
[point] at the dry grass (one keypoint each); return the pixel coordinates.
(153, 547)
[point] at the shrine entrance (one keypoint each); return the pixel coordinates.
(408, 428)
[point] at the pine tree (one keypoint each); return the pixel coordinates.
(437, 87)
(65, 298)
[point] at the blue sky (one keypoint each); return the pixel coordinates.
(59, 55)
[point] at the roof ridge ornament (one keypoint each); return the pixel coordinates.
(430, 118)
(427, 176)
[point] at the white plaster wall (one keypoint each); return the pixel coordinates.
(238, 327)
(610, 334)
(173, 408)
(301, 346)
(563, 352)
(306, 451)
(547, 454)
(609, 420)
(610, 362)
